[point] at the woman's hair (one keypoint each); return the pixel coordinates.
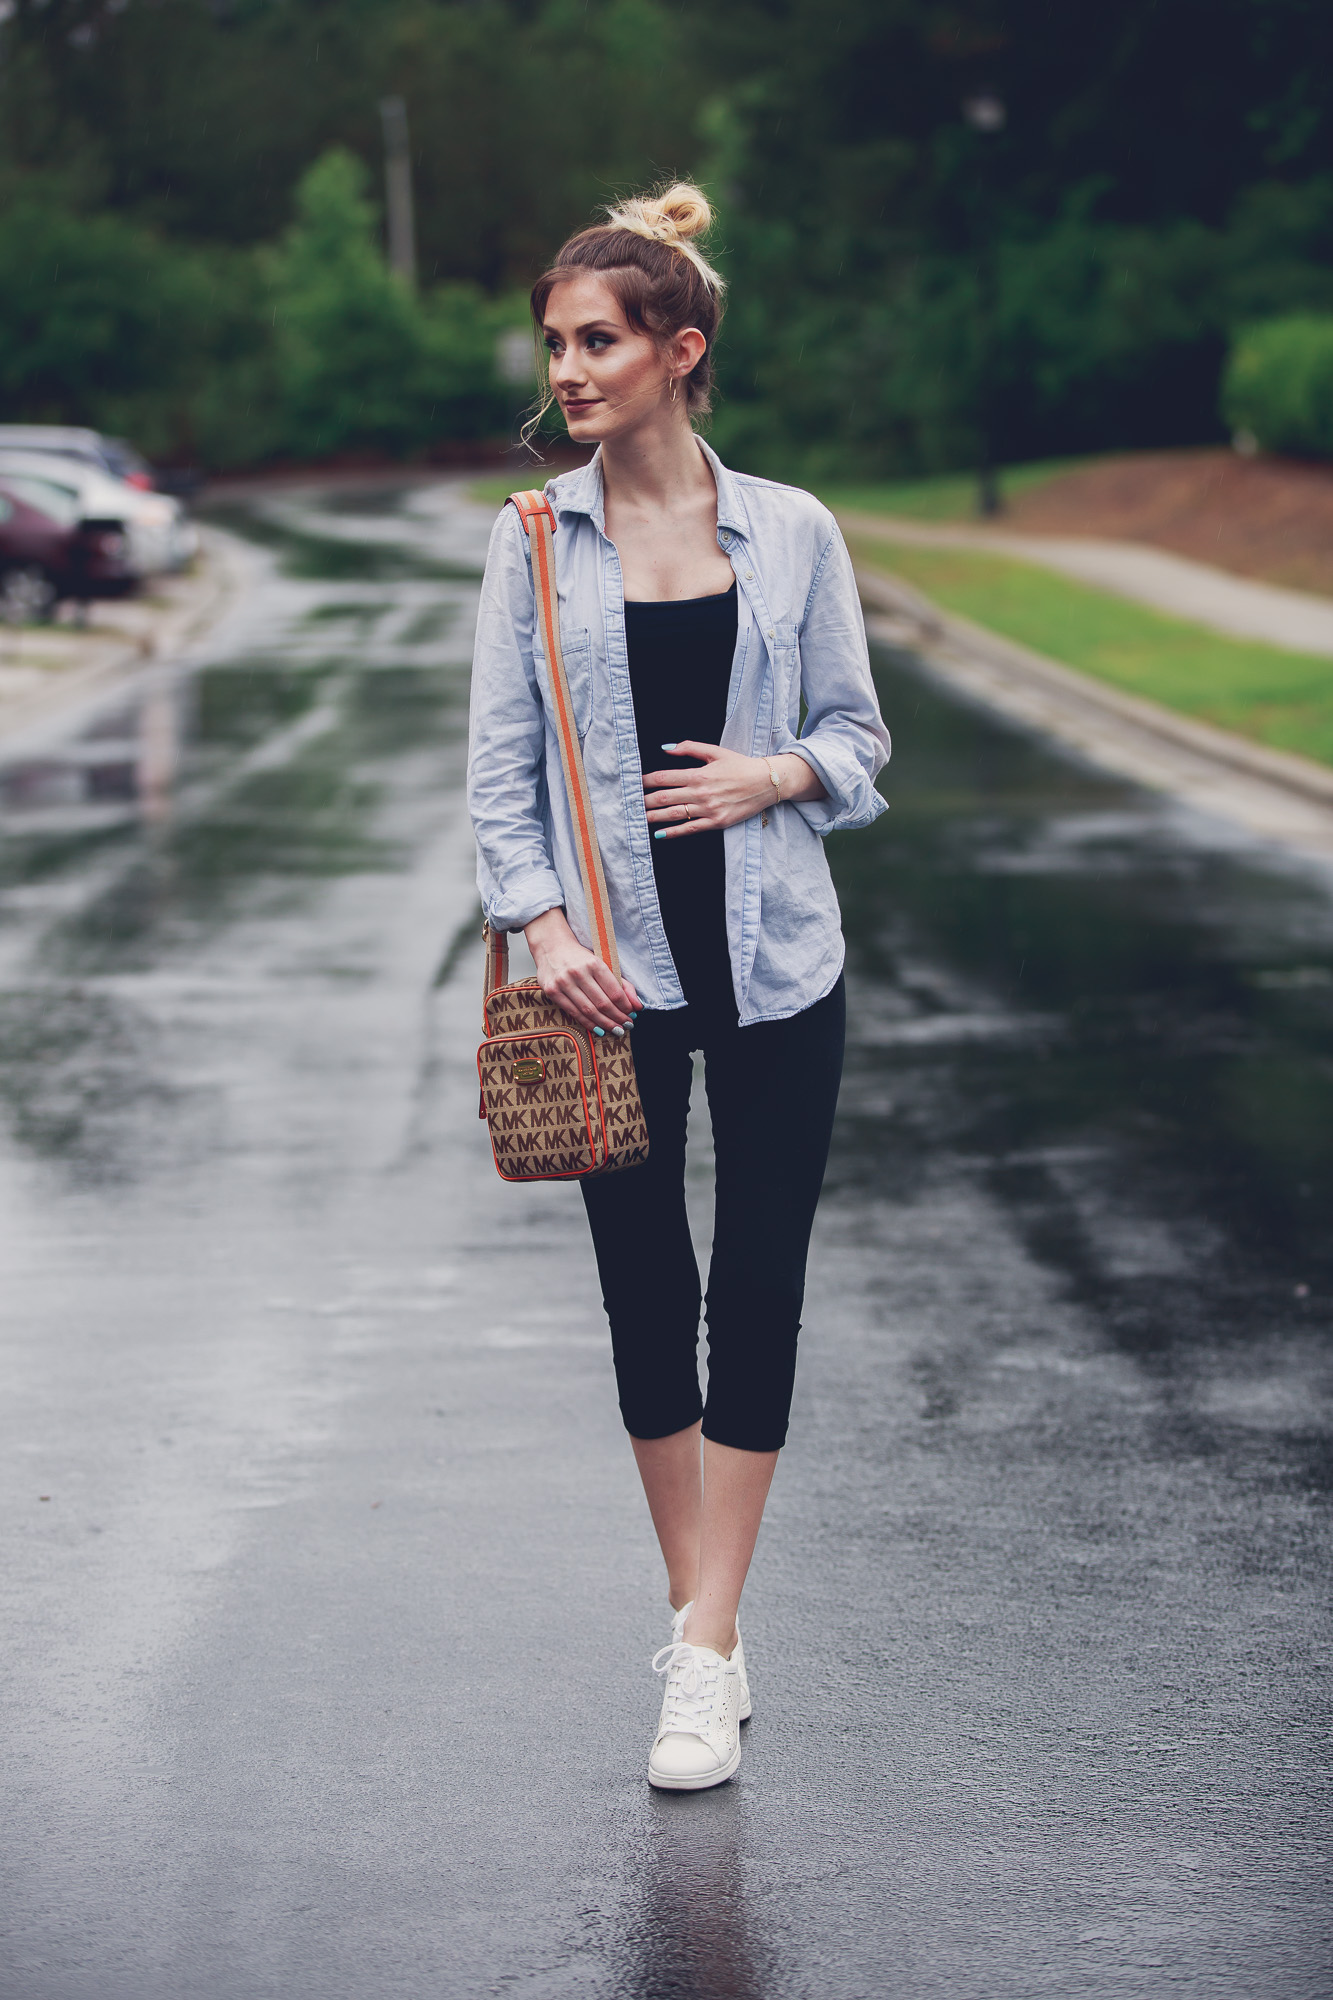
(645, 251)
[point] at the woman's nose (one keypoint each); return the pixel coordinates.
(568, 368)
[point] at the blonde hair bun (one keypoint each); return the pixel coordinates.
(678, 212)
(673, 216)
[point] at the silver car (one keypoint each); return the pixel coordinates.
(161, 535)
(108, 454)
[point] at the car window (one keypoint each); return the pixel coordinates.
(122, 458)
(77, 453)
(58, 503)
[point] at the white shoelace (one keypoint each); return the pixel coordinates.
(693, 1679)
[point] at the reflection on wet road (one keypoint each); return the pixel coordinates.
(329, 1594)
(1125, 1028)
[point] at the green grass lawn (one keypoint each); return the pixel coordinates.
(951, 497)
(1275, 697)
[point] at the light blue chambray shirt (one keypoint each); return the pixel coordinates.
(800, 639)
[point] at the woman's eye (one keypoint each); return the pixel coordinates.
(597, 341)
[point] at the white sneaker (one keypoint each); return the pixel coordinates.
(737, 1657)
(698, 1740)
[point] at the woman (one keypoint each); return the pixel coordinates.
(701, 613)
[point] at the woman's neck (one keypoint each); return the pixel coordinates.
(659, 468)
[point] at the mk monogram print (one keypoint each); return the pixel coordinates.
(583, 1116)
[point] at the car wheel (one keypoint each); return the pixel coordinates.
(27, 596)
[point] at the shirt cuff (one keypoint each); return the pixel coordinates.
(852, 800)
(522, 898)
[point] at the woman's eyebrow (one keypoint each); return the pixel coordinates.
(588, 326)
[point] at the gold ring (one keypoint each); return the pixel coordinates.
(685, 809)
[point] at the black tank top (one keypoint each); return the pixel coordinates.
(680, 658)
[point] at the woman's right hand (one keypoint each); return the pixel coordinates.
(575, 978)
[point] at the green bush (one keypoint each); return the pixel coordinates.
(1279, 384)
(98, 318)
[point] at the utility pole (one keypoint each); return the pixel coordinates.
(398, 190)
(985, 113)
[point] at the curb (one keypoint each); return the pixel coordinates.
(1239, 608)
(1275, 793)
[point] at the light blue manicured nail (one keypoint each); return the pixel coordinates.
(599, 1031)
(668, 746)
(660, 834)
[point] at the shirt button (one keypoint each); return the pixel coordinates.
(749, 576)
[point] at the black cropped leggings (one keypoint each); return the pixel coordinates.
(772, 1090)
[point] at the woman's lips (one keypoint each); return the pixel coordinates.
(575, 406)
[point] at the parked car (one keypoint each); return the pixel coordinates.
(50, 551)
(161, 535)
(111, 455)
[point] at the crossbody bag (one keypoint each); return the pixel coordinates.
(560, 1103)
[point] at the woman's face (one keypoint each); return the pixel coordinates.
(606, 377)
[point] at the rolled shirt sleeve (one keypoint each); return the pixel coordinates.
(843, 739)
(506, 782)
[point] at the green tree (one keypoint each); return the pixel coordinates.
(359, 360)
(350, 340)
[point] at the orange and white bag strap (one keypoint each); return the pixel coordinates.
(497, 960)
(538, 518)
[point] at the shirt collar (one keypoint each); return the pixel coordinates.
(730, 508)
(580, 492)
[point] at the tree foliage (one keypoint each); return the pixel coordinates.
(102, 322)
(1164, 176)
(1162, 172)
(359, 359)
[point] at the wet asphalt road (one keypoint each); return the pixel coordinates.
(327, 1591)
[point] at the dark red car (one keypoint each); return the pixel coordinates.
(48, 552)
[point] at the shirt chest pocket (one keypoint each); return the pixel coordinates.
(576, 650)
(786, 657)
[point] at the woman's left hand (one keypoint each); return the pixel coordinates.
(722, 789)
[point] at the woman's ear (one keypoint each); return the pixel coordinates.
(688, 349)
